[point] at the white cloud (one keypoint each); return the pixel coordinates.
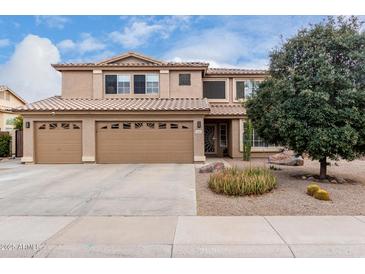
(140, 31)
(135, 35)
(28, 71)
(87, 43)
(52, 21)
(66, 45)
(4, 43)
(221, 48)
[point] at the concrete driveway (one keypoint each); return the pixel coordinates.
(100, 190)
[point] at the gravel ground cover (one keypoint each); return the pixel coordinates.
(290, 198)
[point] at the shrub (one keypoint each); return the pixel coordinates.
(312, 188)
(5, 145)
(18, 122)
(234, 181)
(322, 195)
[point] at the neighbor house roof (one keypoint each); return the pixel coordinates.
(58, 103)
(227, 110)
(6, 88)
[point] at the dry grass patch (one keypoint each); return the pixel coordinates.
(239, 182)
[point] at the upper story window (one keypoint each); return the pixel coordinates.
(146, 84)
(152, 83)
(184, 79)
(124, 84)
(117, 84)
(140, 84)
(214, 89)
(245, 89)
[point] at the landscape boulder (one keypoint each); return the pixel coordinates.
(287, 158)
(212, 167)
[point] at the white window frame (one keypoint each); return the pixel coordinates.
(255, 149)
(235, 99)
(129, 78)
(226, 80)
(118, 74)
(158, 84)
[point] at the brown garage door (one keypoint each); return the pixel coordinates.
(58, 142)
(144, 142)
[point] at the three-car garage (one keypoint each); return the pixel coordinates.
(117, 142)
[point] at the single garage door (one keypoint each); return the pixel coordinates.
(58, 142)
(144, 142)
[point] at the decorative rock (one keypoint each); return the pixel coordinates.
(333, 181)
(304, 177)
(212, 167)
(310, 178)
(287, 158)
(218, 166)
(341, 180)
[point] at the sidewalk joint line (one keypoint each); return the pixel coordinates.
(277, 232)
(355, 217)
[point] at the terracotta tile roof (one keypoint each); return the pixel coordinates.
(227, 109)
(133, 64)
(225, 71)
(58, 103)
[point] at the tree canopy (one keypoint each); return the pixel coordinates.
(314, 99)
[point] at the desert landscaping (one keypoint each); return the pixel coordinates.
(289, 197)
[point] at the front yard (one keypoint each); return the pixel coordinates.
(290, 198)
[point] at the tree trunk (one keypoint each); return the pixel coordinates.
(323, 171)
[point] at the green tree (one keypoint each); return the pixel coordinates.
(18, 122)
(314, 100)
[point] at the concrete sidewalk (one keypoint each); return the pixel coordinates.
(186, 236)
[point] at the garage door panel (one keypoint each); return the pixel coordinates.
(58, 142)
(146, 144)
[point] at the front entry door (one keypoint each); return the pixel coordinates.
(210, 139)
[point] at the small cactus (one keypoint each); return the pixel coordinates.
(322, 195)
(312, 189)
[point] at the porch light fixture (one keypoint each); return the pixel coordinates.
(199, 124)
(27, 124)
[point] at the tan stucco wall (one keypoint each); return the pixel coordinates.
(90, 84)
(88, 130)
(195, 90)
(97, 84)
(77, 84)
(164, 84)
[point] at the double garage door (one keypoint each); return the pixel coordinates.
(116, 142)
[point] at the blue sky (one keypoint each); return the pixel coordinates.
(29, 44)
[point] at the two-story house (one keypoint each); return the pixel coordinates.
(135, 109)
(8, 100)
